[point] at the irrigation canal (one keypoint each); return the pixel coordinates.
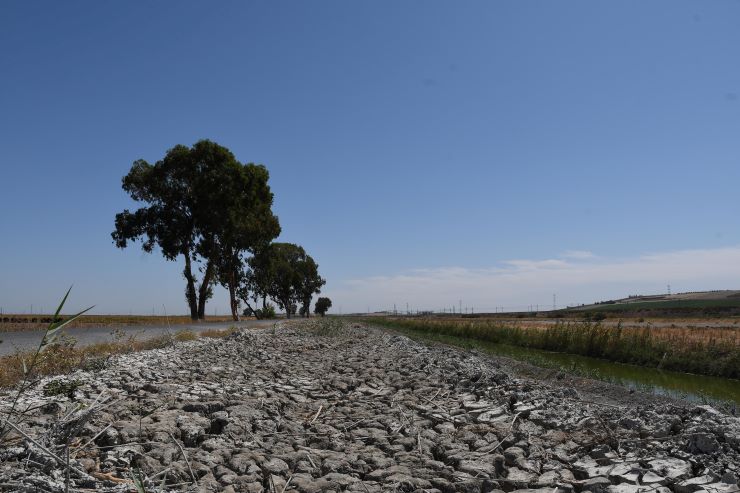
(687, 386)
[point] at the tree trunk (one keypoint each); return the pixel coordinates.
(232, 297)
(251, 310)
(190, 295)
(288, 307)
(203, 290)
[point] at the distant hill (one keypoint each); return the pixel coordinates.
(706, 302)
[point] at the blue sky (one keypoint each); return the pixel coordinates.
(404, 139)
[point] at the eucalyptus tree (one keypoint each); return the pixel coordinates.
(285, 273)
(257, 280)
(309, 283)
(248, 225)
(322, 306)
(203, 204)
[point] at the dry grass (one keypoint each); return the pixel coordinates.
(65, 357)
(680, 334)
(219, 334)
(709, 351)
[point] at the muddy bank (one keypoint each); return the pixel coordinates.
(324, 406)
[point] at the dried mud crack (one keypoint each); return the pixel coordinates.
(325, 405)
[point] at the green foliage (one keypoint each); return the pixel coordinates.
(63, 387)
(203, 204)
(95, 364)
(267, 312)
(138, 479)
(690, 307)
(285, 273)
(322, 306)
(248, 226)
(53, 330)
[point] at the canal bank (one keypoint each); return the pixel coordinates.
(677, 385)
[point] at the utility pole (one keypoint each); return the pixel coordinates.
(554, 305)
(407, 308)
(669, 290)
(460, 306)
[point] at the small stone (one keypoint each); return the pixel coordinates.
(693, 484)
(275, 466)
(704, 443)
(671, 468)
(625, 473)
(598, 484)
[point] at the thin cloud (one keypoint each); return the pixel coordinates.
(578, 254)
(574, 279)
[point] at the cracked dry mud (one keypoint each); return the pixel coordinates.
(325, 405)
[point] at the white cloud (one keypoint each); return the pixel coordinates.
(575, 277)
(578, 254)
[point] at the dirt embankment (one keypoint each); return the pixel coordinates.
(325, 406)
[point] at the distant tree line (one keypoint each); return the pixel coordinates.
(202, 204)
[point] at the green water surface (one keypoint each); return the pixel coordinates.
(686, 386)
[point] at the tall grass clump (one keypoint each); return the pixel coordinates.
(645, 346)
(29, 362)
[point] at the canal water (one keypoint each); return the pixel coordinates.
(29, 340)
(686, 386)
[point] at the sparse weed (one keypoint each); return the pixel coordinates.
(219, 334)
(62, 386)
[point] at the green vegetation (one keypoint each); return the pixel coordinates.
(205, 205)
(322, 306)
(721, 392)
(285, 273)
(678, 351)
(27, 363)
(62, 387)
(703, 307)
(327, 327)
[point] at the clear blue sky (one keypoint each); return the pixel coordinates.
(399, 136)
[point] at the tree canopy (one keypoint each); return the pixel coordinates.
(322, 306)
(285, 273)
(205, 205)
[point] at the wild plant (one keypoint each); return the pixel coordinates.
(51, 335)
